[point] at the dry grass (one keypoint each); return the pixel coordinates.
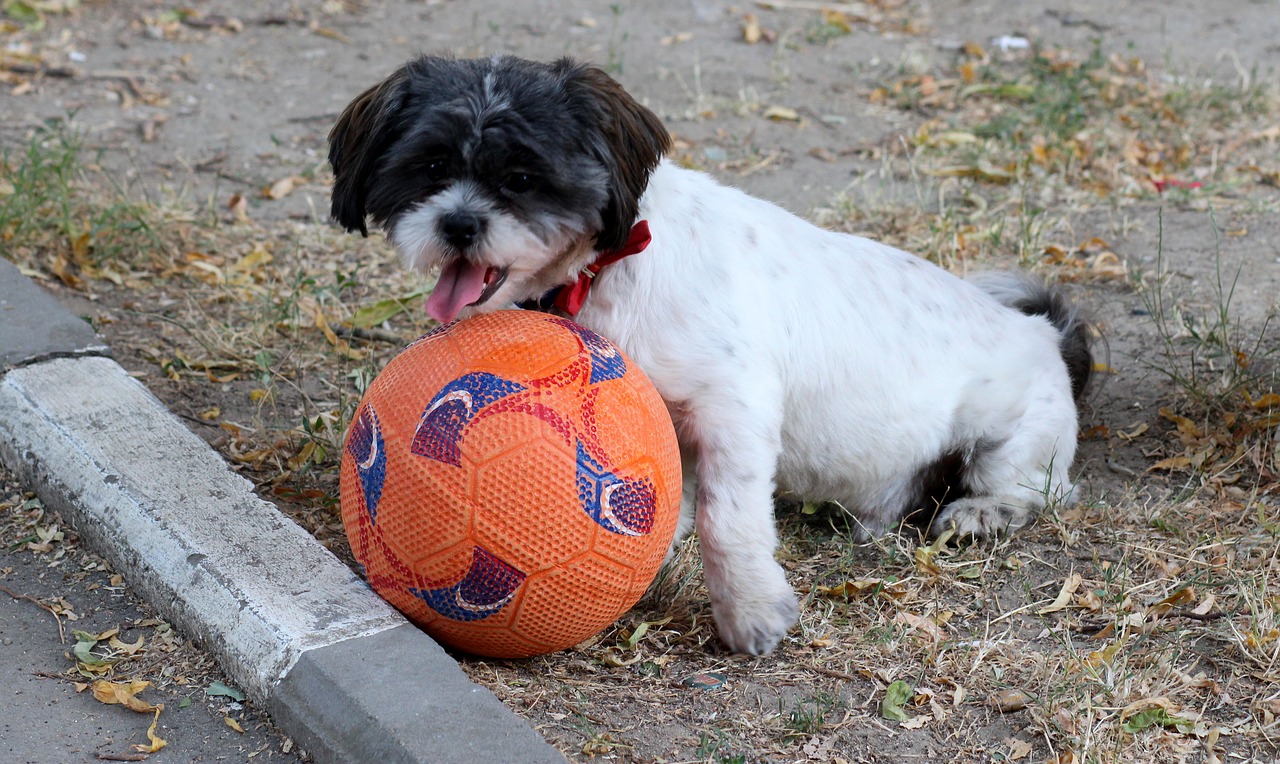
(1141, 626)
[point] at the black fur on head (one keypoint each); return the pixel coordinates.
(548, 144)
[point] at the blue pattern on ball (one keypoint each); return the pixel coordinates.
(453, 408)
(618, 505)
(606, 361)
(366, 447)
(487, 587)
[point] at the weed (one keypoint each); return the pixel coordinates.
(715, 748)
(52, 218)
(614, 59)
(808, 716)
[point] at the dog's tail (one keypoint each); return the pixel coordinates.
(1035, 298)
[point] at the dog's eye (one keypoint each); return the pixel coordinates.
(437, 170)
(519, 183)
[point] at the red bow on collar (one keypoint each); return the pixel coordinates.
(571, 297)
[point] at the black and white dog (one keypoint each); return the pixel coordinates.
(790, 357)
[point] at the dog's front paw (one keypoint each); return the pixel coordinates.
(755, 622)
(983, 517)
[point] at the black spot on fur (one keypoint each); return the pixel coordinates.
(936, 485)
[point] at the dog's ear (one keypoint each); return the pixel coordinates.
(360, 136)
(631, 140)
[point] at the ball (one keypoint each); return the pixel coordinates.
(511, 483)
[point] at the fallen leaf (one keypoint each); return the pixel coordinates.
(124, 694)
(1187, 429)
(154, 741)
(1018, 749)
(922, 624)
(751, 29)
(85, 642)
(983, 170)
(373, 315)
(1069, 586)
(916, 722)
(1268, 401)
(1172, 463)
(894, 696)
(239, 205)
(1151, 712)
(1133, 432)
(782, 114)
(233, 724)
(1184, 596)
(281, 188)
(1009, 700)
(836, 19)
(863, 587)
(218, 689)
(128, 648)
(1099, 658)
(332, 34)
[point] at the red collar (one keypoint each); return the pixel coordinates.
(571, 297)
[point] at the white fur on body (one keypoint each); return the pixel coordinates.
(829, 366)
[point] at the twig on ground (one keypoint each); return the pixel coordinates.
(62, 633)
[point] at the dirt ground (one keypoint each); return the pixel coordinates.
(1126, 149)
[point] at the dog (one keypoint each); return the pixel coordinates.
(791, 358)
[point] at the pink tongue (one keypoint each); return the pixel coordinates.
(460, 284)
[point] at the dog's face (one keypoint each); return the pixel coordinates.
(503, 173)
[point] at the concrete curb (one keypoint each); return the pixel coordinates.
(339, 670)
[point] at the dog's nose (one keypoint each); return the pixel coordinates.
(461, 229)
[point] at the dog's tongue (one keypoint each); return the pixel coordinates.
(460, 284)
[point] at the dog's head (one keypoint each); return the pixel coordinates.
(503, 173)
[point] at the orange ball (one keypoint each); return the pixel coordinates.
(511, 483)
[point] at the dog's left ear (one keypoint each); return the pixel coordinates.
(630, 141)
(357, 139)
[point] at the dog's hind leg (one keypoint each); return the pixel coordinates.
(1012, 477)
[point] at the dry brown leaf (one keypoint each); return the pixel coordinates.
(239, 206)
(283, 187)
(233, 724)
(1204, 607)
(916, 722)
(782, 114)
(1268, 401)
(332, 34)
(751, 29)
(1187, 429)
(1145, 703)
(1134, 431)
(1172, 463)
(1009, 700)
(128, 648)
(1183, 596)
(1069, 586)
(1106, 655)
(154, 741)
(837, 19)
(926, 626)
(1018, 749)
(124, 694)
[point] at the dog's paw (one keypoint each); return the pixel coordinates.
(755, 623)
(982, 517)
